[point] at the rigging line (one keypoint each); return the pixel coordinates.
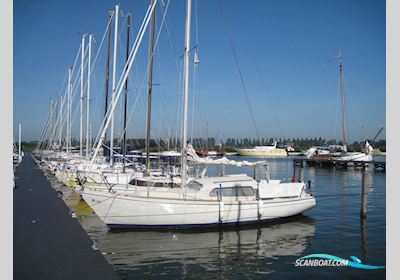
(75, 83)
(170, 35)
(119, 118)
(44, 131)
(56, 126)
(196, 21)
(65, 79)
(178, 101)
(76, 59)
(65, 115)
(96, 57)
(60, 94)
(100, 46)
(178, 107)
(94, 99)
(74, 117)
(135, 71)
(239, 69)
(267, 94)
(164, 110)
(161, 100)
(152, 54)
(350, 101)
(133, 49)
(193, 103)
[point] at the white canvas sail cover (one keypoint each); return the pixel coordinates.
(193, 157)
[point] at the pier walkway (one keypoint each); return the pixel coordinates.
(378, 165)
(48, 242)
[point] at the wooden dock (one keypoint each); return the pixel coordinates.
(48, 242)
(329, 163)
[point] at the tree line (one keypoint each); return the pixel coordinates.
(230, 144)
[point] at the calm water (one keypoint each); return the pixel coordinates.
(265, 251)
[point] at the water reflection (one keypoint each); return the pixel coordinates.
(366, 184)
(205, 248)
(252, 252)
(209, 249)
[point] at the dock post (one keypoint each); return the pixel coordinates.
(364, 197)
(364, 238)
(294, 172)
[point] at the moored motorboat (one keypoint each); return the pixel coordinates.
(264, 151)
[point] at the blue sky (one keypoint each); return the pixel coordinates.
(290, 42)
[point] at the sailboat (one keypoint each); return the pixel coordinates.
(339, 152)
(209, 153)
(196, 200)
(69, 167)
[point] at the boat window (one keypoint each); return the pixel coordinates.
(194, 185)
(233, 191)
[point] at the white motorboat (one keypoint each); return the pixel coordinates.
(264, 151)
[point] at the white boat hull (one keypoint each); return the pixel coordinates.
(262, 153)
(119, 210)
(355, 157)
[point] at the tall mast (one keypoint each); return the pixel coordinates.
(88, 98)
(206, 139)
(113, 83)
(55, 121)
(169, 137)
(343, 109)
(60, 122)
(19, 143)
(126, 92)
(81, 97)
(107, 87)
(185, 92)
(69, 111)
(220, 138)
(124, 76)
(150, 87)
(51, 122)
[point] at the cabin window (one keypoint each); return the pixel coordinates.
(195, 185)
(157, 185)
(233, 191)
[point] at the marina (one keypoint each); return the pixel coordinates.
(119, 181)
(261, 249)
